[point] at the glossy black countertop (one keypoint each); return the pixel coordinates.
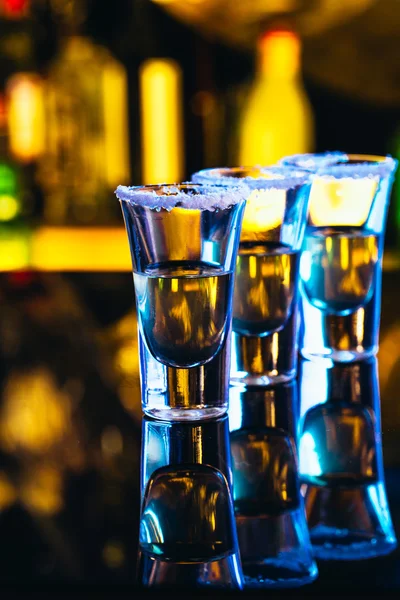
(70, 439)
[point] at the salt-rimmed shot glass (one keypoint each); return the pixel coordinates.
(341, 265)
(264, 323)
(183, 240)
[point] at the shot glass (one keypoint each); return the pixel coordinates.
(184, 241)
(270, 516)
(187, 535)
(341, 264)
(264, 321)
(341, 461)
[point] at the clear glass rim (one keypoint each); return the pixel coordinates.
(255, 176)
(186, 195)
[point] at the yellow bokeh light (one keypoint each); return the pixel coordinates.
(35, 412)
(114, 554)
(14, 250)
(68, 249)
(264, 211)
(183, 233)
(9, 207)
(115, 115)
(161, 121)
(7, 492)
(112, 442)
(41, 490)
(26, 115)
(126, 359)
(345, 201)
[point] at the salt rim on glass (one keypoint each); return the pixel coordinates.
(312, 161)
(339, 165)
(358, 166)
(187, 195)
(275, 177)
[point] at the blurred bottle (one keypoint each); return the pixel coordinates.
(276, 118)
(87, 147)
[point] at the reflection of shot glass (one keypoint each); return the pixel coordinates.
(187, 535)
(341, 463)
(203, 442)
(264, 320)
(341, 265)
(271, 521)
(183, 240)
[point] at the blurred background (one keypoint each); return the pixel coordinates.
(96, 94)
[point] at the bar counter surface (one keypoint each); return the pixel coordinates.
(70, 435)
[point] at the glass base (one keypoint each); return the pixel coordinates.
(199, 413)
(194, 394)
(221, 574)
(330, 543)
(261, 361)
(276, 550)
(349, 522)
(340, 338)
(280, 573)
(249, 379)
(340, 356)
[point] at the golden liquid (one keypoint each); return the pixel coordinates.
(265, 287)
(338, 268)
(183, 310)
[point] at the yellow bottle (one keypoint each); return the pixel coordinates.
(277, 117)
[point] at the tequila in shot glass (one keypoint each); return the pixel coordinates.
(183, 240)
(264, 321)
(341, 264)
